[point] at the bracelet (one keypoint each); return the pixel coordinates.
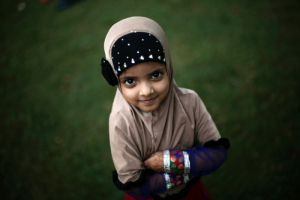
(187, 164)
(186, 178)
(168, 181)
(176, 161)
(173, 180)
(167, 161)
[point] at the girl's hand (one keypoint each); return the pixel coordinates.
(156, 162)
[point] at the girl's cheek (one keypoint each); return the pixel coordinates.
(165, 84)
(132, 92)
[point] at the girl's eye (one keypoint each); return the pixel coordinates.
(129, 82)
(156, 75)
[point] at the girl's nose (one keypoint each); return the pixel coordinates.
(146, 89)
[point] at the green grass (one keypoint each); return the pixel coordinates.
(242, 57)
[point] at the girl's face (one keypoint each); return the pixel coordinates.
(145, 85)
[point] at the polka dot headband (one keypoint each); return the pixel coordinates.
(129, 50)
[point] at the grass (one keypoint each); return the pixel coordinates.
(242, 57)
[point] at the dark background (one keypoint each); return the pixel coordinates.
(241, 57)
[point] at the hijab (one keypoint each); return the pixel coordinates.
(180, 122)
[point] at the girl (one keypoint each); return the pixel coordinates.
(162, 138)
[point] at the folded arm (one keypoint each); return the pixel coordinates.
(203, 159)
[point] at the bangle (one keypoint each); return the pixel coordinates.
(168, 181)
(176, 180)
(187, 165)
(173, 180)
(167, 161)
(176, 162)
(186, 178)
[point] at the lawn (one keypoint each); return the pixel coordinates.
(241, 57)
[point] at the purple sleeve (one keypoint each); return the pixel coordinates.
(205, 160)
(155, 184)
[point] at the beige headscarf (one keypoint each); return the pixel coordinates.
(180, 122)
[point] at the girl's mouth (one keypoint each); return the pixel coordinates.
(148, 101)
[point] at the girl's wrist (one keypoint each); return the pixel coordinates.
(155, 162)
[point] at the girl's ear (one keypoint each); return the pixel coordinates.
(108, 73)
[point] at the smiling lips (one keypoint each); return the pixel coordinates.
(148, 101)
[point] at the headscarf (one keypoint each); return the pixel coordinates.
(181, 121)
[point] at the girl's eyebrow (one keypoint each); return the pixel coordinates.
(150, 73)
(127, 77)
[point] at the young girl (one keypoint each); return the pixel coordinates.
(162, 138)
